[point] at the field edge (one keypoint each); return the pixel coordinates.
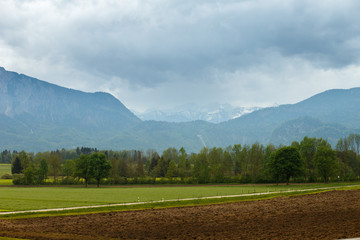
(170, 204)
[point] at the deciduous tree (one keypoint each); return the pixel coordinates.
(99, 167)
(285, 163)
(82, 168)
(54, 162)
(325, 162)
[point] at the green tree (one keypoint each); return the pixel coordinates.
(16, 167)
(325, 162)
(170, 154)
(236, 155)
(285, 163)
(54, 162)
(201, 166)
(228, 165)
(5, 156)
(29, 175)
(269, 150)
(25, 159)
(114, 173)
(42, 171)
(123, 167)
(308, 148)
(99, 167)
(216, 164)
(139, 164)
(162, 166)
(69, 169)
(256, 161)
(171, 170)
(155, 158)
(184, 165)
(82, 168)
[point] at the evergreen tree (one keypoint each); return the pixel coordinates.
(16, 167)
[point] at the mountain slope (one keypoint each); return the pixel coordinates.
(39, 116)
(338, 107)
(21, 95)
(48, 115)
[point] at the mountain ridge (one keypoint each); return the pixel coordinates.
(214, 113)
(39, 116)
(21, 94)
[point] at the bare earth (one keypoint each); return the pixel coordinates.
(329, 215)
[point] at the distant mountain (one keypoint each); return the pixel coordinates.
(214, 113)
(39, 116)
(336, 112)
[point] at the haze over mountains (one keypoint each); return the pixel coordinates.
(214, 113)
(39, 116)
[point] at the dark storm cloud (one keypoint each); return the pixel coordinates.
(159, 44)
(187, 40)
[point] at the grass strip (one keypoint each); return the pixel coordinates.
(168, 204)
(9, 238)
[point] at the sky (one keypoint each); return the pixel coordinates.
(160, 54)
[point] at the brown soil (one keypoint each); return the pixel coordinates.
(329, 215)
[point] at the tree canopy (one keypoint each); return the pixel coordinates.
(285, 163)
(325, 162)
(310, 160)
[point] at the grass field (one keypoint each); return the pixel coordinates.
(6, 182)
(30, 198)
(5, 168)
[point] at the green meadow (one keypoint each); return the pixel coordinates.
(5, 168)
(30, 198)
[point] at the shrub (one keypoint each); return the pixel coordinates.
(18, 179)
(69, 181)
(6, 176)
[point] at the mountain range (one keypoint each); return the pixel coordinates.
(214, 113)
(39, 116)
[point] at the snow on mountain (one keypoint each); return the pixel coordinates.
(214, 113)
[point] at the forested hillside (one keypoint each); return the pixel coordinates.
(39, 116)
(332, 114)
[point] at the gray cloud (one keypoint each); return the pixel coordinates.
(143, 51)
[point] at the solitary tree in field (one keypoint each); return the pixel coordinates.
(285, 163)
(99, 167)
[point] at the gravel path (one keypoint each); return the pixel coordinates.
(169, 200)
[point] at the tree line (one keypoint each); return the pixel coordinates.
(310, 160)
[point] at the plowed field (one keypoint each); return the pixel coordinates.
(329, 215)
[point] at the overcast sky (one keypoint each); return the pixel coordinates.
(164, 53)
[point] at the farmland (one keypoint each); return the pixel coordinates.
(326, 215)
(30, 198)
(5, 168)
